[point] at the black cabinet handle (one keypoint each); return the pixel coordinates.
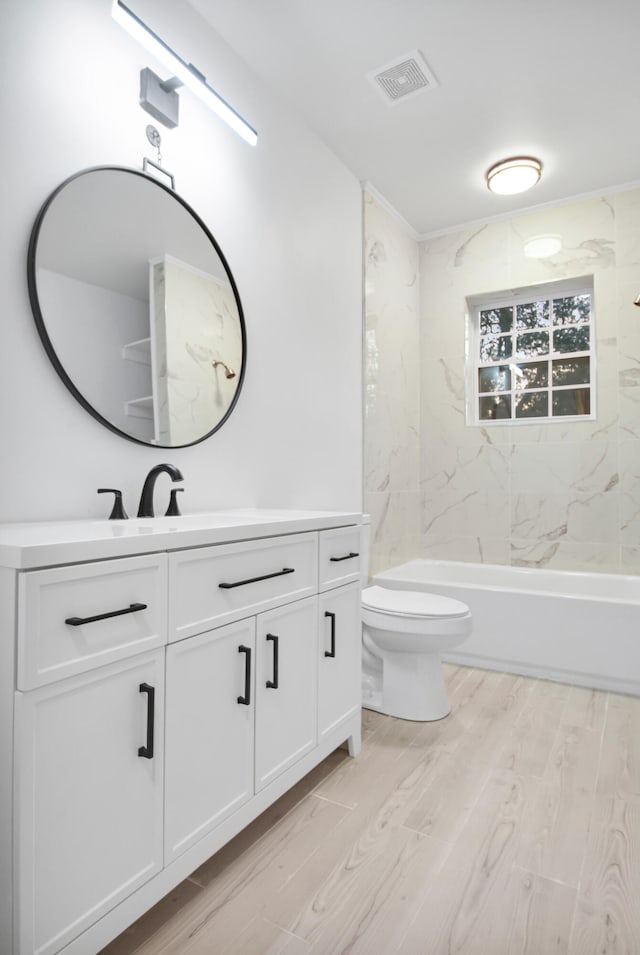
(78, 621)
(332, 651)
(147, 751)
(246, 699)
(253, 580)
(273, 684)
(335, 560)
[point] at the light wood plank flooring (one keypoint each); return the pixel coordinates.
(510, 828)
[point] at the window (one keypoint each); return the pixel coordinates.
(532, 354)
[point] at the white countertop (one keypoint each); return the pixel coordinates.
(25, 546)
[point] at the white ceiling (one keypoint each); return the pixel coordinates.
(556, 79)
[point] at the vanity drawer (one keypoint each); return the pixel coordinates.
(76, 618)
(339, 556)
(211, 586)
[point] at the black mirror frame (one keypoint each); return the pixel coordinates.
(41, 325)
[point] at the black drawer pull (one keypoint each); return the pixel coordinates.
(78, 621)
(147, 751)
(246, 699)
(332, 651)
(254, 580)
(335, 560)
(273, 684)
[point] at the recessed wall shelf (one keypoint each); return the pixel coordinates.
(139, 351)
(140, 407)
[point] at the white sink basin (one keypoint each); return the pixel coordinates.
(38, 545)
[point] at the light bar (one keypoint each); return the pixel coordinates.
(185, 72)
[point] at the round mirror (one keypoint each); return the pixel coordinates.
(136, 307)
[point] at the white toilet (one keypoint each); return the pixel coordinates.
(403, 634)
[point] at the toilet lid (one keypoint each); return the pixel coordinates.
(412, 603)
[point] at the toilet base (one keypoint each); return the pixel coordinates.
(410, 687)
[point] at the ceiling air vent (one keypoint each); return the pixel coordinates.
(405, 76)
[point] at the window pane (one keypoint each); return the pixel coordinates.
(534, 404)
(570, 371)
(532, 343)
(497, 378)
(572, 310)
(572, 401)
(571, 339)
(494, 408)
(532, 315)
(496, 320)
(534, 374)
(493, 349)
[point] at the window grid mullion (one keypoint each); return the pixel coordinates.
(552, 355)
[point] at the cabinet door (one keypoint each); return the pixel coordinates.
(209, 732)
(339, 656)
(89, 779)
(285, 688)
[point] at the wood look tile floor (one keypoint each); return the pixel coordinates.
(512, 827)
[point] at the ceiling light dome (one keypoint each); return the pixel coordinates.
(514, 175)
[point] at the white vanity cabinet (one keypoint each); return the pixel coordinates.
(209, 732)
(286, 681)
(153, 704)
(241, 709)
(339, 655)
(89, 823)
(339, 658)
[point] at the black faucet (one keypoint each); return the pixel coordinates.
(146, 498)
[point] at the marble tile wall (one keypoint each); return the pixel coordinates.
(392, 495)
(561, 495)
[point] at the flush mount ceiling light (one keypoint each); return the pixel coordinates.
(542, 246)
(159, 97)
(513, 175)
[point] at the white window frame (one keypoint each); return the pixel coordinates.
(513, 297)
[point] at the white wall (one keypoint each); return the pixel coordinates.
(287, 215)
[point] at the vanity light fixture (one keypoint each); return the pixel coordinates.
(511, 176)
(542, 246)
(159, 97)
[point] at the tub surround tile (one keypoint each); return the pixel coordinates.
(476, 466)
(452, 513)
(627, 206)
(594, 518)
(395, 525)
(561, 495)
(473, 550)
(392, 388)
(542, 517)
(558, 555)
(561, 468)
(630, 560)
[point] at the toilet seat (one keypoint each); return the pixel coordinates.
(414, 604)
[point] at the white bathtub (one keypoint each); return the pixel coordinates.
(581, 628)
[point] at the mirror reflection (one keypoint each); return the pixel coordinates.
(137, 307)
